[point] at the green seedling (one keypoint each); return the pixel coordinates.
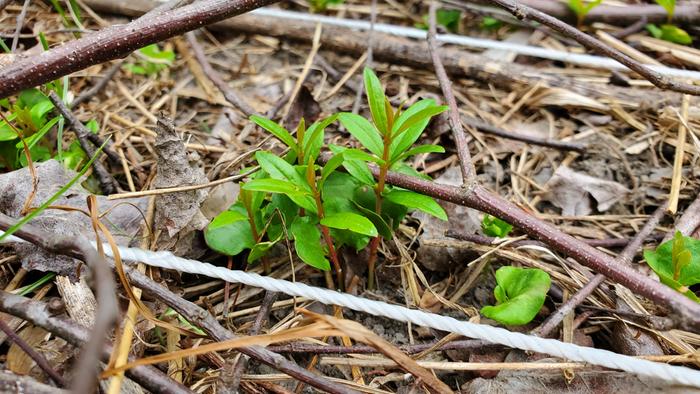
(449, 19)
(581, 8)
(668, 31)
(495, 227)
(677, 263)
(322, 208)
(520, 294)
(151, 60)
(322, 5)
(490, 23)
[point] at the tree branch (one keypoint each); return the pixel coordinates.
(116, 42)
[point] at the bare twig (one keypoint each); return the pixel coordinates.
(39, 359)
(96, 88)
(11, 383)
(690, 220)
(499, 132)
(116, 42)
(20, 22)
(107, 182)
(461, 143)
(521, 11)
(635, 27)
(41, 315)
(78, 247)
(597, 243)
(260, 318)
(229, 94)
(624, 258)
(474, 345)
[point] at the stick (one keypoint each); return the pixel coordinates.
(96, 88)
(116, 42)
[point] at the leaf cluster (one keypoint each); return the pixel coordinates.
(677, 263)
(292, 197)
(582, 7)
(520, 293)
(151, 60)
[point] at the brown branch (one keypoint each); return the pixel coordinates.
(521, 11)
(19, 23)
(229, 94)
(80, 248)
(116, 42)
(624, 258)
(474, 345)
(107, 182)
(461, 143)
(12, 383)
(686, 313)
(39, 359)
(499, 132)
(260, 317)
(41, 315)
(597, 243)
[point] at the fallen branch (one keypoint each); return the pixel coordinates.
(78, 247)
(521, 11)
(42, 315)
(116, 42)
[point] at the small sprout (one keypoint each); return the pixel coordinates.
(520, 294)
(490, 23)
(322, 5)
(581, 8)
(677, 263)
(669, 6)
(495, 227)
(449, 19)
(151, 60)
(671, 33)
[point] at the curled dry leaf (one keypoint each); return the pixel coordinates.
(569, 190)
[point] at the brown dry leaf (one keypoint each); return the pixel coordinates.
(569, 190)
(17, 360)
(304, 106)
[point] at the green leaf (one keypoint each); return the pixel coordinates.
(675, 34)
(375, 97)
(669, 6)
(332, 164)
(392, 213)
(681, 270)
(350, 221)
(405, 139)
(356, 168)
(489, 23)
(260, 249)
(495, 227)
(278, 131)
(364, 131)
(420, 149)
(280, 169)
(520, 294)
(229, 233)
(581, 8)
(379, 223)
(417, 118)
(417, 201)
(271, 185)
(307, 242)
(313, 138)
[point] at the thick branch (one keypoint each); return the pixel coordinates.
(521, 11)
(117, 41)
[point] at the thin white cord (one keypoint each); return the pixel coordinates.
(472, 42)
(680, 375)
(515, 340)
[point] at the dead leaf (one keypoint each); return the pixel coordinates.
(570, 191)
(304, 106)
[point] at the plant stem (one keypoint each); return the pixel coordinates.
(254, 229)
(328, 240)
(378, 190)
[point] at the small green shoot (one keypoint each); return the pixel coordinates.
(490, 23)
(322, 5)
(669, 6)
(151, 60)
(520, 293)
(671, 33)
(677, 263)
(495, 227)
(449, 19)
(581, 8)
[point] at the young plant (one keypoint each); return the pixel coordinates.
(490, 23)
(495, 227)
(322, 5)
(151, 60)
(581, 8)
(388, 139)
(668, 31)
(520, 294)
(677, 263)
(449, 19)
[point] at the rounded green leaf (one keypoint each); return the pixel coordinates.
(350, 221)
(520, 294)
(229, 233)
(417, 201)
(307, 242)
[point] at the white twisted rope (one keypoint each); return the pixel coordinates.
(679, 375)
